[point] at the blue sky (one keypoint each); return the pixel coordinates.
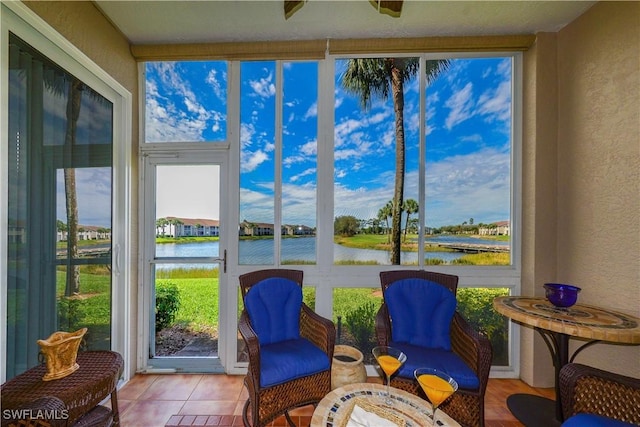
(468, 129)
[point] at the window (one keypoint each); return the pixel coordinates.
(320, 167)
(467, 162)
(278, 137)
(186, 101)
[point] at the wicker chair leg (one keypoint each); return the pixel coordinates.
(289, 420)
(245, 411)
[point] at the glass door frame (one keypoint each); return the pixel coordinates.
(149, 160)
(17, 18)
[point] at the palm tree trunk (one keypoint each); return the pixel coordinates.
(73, 112)
(397, 88)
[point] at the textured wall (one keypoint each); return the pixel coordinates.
(599, 166)
(539, 190)
(581, 175)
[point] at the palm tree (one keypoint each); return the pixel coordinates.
(385, 213)
(74, 101)
(371, 78)
(162, 223)
(410, 207)
(175, 222)
(71, 199)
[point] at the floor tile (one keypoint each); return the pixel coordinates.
(150, 413)
(171, 387)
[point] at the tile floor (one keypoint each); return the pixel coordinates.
(217, 400)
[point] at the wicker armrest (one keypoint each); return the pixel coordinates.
(584, 389)
(253, 345)
(473, 347)
(383, 325)
(317, 329)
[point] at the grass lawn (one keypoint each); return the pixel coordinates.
(199, 308)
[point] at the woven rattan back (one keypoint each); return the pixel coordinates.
(585, 389)
(447, 280)
(247, 280)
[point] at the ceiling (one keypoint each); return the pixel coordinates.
(160, 22)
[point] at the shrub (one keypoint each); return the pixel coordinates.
(476, 306)
(361, 324)
(167, 304)
(71, 313)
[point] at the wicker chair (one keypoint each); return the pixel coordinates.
(588, 393)
(466, 406)
(270, 399)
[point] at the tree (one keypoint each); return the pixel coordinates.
(71, 198)
(162, 224)
(175, 222)
(74, 101)
(385, 213)
(379, 78)
(346, 225)
(410, 207)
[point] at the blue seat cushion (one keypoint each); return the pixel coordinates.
(420, 312)
(443, 360)
(592, 420)
(273, 306)
(287, 360)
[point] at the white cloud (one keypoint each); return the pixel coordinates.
(302, 174)
(219, 88)
(264, 87)
(310, 148)
(496, 104)
(165, 120)
(458, 188)
(464, 186)
(251, 160)
(460, 105)
(312, 111)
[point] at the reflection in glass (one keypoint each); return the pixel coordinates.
(59, 207)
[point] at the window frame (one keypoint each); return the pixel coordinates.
(17, 18)
(324, 276)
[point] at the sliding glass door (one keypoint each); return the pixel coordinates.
(60, 163)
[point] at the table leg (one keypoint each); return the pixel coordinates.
(558, 345)
(534, 410)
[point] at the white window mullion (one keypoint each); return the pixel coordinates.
(277, 225)
(422, 198)
(325, 153)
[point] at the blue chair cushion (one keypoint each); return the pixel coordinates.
(288, 360)
(443, 360)
(273, 306)
(420, 312)
(592, 420)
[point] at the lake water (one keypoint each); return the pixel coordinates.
(260, 252)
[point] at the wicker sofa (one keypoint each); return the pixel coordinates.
(592, 396)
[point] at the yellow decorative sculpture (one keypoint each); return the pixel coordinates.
(60, 351)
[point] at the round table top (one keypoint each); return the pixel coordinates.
(583, 321)
(335, 409)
